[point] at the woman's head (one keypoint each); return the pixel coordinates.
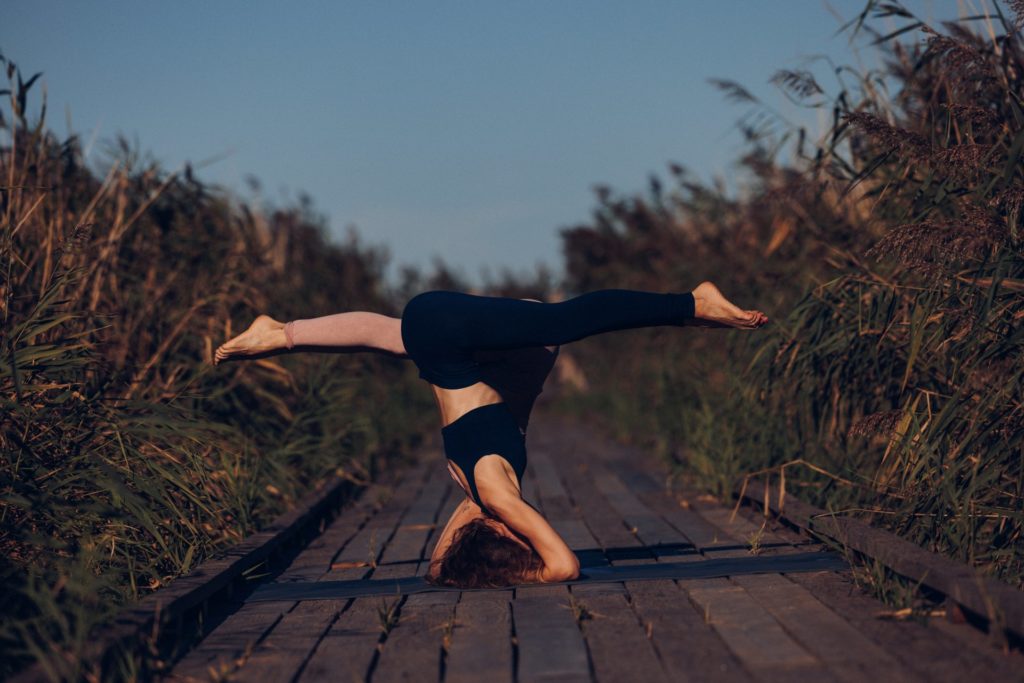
(485, 554)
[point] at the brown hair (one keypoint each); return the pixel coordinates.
(482, 557)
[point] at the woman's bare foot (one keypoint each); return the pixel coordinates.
(265, 334)
(711, 309)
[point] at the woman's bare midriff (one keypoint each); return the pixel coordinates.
(454, 403)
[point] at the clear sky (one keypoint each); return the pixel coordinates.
(473, 130)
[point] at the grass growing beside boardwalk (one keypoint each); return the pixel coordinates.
(889, 255)
(125, 458)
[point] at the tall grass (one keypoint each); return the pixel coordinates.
(889, 255)
(125, 458)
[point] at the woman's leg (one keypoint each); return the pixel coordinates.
(474, 323)
(496, 323)
(350, 329)
(354, 330)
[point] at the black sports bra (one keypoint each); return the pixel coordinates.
(486, 430)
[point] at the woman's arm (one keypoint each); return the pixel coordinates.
(560, 563)
(465, 512)
(352, 329)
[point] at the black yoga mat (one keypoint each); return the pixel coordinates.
(733, 566)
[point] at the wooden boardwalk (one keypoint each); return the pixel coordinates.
(611, 501)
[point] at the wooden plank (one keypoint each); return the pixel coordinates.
(752, 634)
(607, 527)
(650, 527)
(570, 524)
(824, 633)
(847, 654)
(618, 644)
(279, 656)
(481, 641)
(749, 631)
(418, 524)
(528, 488)
(816, 628)
(556, 502)
(999, 602)
(216, 655)
(349, 650)
(237, 636)
(769, 540)
(550, 644)
(689, 650)
(286, 649)
(543, 619)
(551, 494)
(414, 649)
(921, 649)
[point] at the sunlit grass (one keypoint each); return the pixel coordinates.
(889, 258)
(126, 459)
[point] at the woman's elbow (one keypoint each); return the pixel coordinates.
(563, 570)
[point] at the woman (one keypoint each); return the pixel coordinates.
(494, 537)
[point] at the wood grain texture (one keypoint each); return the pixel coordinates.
(481, 639)
(609, 502)
(551, 646)
(1000, 603)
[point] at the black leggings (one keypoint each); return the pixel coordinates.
(442, 330)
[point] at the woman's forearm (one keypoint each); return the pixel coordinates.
(350, 329)
(559, 562)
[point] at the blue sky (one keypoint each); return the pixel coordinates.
(468, 130)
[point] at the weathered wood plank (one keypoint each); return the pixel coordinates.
(238, 635)
(897, 646)
(542, 615)
(280, 655)
(481, 641)
(921, 649)
(284, 651)
(620, 650)
(749, 631)
(995, 600)
(349, 650)
(414, 648)
(216, 655)
(619, 645)
(555, 500)
(411, 536)
(689, 650)
(299, 633)
(820, 631)
(551, 493)
(752, 634)
(604, 524)
(824, 633)
(551, 646)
